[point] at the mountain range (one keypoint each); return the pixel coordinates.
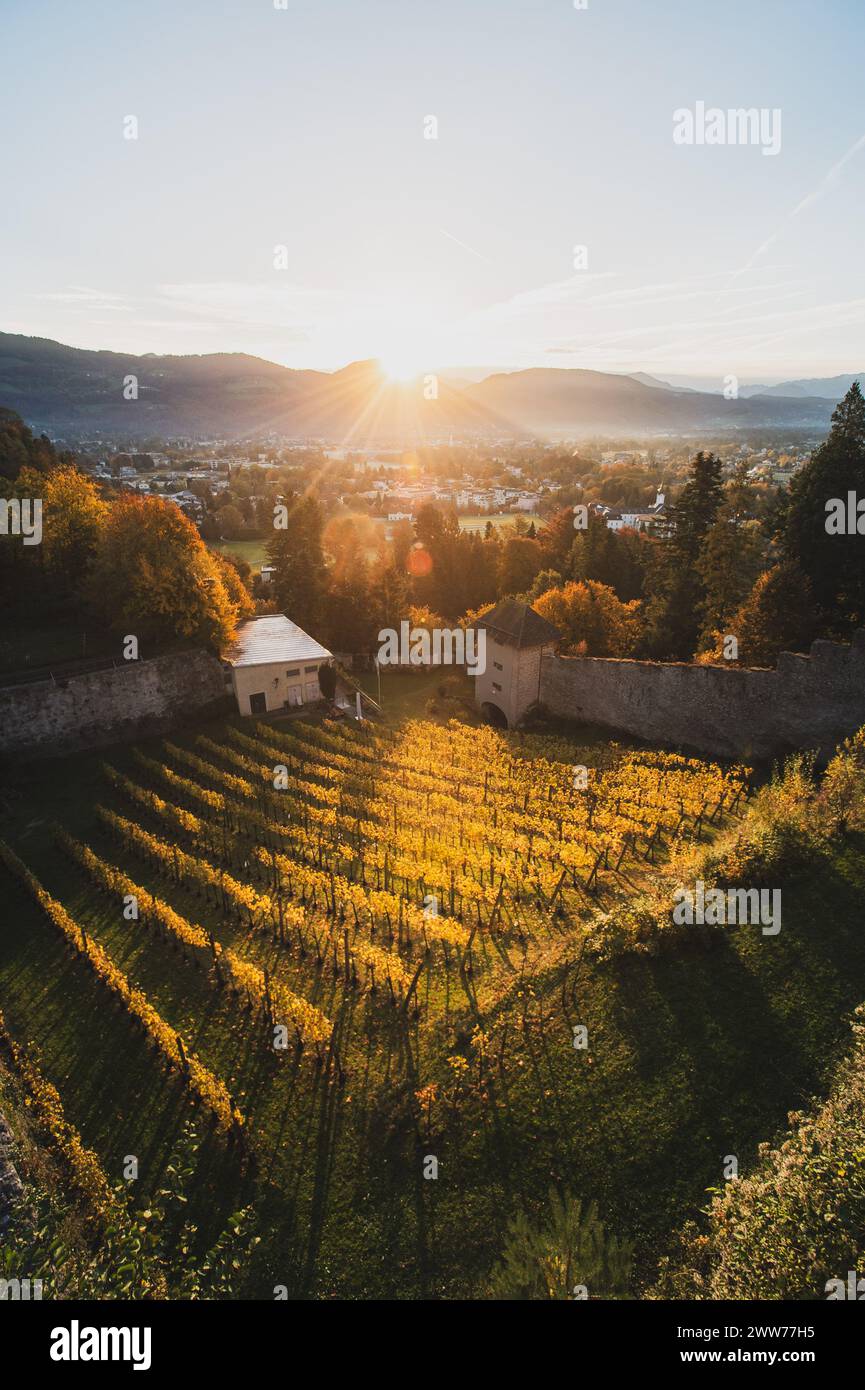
(75, 393)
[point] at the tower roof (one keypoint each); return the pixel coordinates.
(518, 625)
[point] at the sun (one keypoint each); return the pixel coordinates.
(401, 362)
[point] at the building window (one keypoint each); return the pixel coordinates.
(310, 670)
(294, 672)
(498, 665)
(497, 690)
(258, 703)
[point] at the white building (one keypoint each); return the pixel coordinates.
(274, 665)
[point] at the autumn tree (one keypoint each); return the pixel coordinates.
(73, 517)
(557, 538)
(778, 615)
(236, 577)
(591, 619)
(153, 577)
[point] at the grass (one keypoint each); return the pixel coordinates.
(406, 694)
(254, 552)
(691, 1057)
(504, 520)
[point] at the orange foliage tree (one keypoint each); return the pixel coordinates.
(593, 621)
(154, 577)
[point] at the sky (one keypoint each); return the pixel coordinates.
(283, 196)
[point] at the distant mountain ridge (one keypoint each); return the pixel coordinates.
(831, 388)
(79, 393)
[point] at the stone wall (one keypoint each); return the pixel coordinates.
(134, 700)
(807, 702)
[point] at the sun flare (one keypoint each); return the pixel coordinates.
(401, 363)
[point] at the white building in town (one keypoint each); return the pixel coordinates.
(274, 665)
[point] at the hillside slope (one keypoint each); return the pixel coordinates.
(78, 393)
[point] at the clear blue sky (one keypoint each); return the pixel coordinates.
(304, 127)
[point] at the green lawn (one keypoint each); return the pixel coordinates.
(406, 694)
(504, 520)
(253, 552)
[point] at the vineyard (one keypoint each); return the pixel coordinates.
(359, 956)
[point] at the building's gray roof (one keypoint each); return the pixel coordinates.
(272, 640)
(518, 625)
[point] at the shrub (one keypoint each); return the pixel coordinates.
(798, 1220)
(569, 1247)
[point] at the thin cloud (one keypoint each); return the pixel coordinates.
(828, 181)
(465, 246)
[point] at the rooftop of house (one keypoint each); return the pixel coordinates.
(518, 625)
(271, 640)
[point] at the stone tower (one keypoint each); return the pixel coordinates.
(518, 639)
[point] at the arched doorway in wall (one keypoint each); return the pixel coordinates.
(493, 715)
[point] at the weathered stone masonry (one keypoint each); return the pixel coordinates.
(809, 701)
(136, 700)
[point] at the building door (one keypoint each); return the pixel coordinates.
(311, 692)
(295, 696)
(258, 703)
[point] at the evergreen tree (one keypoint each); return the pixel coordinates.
(677, 588)
(697, 506)
(390, 595)
(733, 555)
(19, 448)
(569, 1251)
(298, 559)
(833, 562)
(520, 560)
(619, 559)
(347, 617)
